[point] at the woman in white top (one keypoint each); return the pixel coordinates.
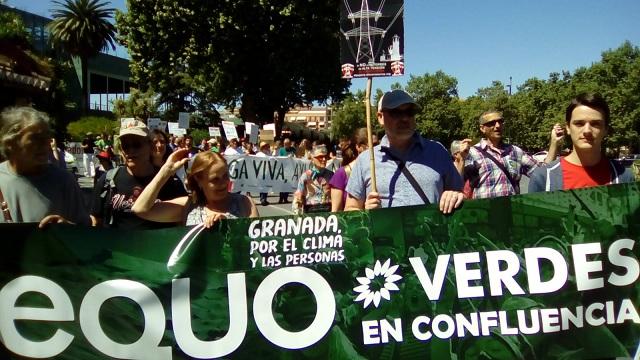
(210, 200)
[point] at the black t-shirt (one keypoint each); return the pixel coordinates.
(90, 145)
(128, 188)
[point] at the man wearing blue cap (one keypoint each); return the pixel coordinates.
(410, 170)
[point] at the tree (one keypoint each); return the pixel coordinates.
(350, 114)
(437, 95)
(266, 55)
(82, 28)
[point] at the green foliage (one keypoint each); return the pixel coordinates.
(12, 29)
(94, 124)
(267, 55)
(139, 104)
(350, 114)
(530, 112)
(198, 135)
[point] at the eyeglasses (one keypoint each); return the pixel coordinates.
(397, 113)
(493, 123)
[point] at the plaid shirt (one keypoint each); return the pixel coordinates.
(486, 178)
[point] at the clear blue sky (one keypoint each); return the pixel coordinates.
(481, 41)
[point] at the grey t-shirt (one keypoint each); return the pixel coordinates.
(427, 160)
(31, 198)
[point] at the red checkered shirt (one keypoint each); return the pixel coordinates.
(487, 179)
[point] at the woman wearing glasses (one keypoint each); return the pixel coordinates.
(118, 189)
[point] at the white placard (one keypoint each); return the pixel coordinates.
(214, 131)
(229, 130)
(252, 130)
(174, 128)
(183, 120)
(271, 127)
(154, 123)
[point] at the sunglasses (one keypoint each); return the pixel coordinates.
(493, 123)
(131, 145)
(397, 113)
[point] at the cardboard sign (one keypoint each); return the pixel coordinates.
(155, 123)
(174, 128)
(267, 135)
(183, 120)
(229, 130)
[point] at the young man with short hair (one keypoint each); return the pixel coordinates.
(587, 122)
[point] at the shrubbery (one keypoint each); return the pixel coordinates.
(95, 124)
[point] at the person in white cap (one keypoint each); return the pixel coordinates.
(410, 170)
(117, 190)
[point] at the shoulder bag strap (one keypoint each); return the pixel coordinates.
(5, 209)
(403, 168)
(500, 166)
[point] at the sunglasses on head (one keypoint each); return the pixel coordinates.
(493, 123)
(396, 113)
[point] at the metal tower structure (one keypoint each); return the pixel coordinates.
(364, 31)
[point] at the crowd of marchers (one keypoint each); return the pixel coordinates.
(148, 179)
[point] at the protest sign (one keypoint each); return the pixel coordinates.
(250, 173)
(372, 41)
(214, 131)
(155, 123)
(183, 120)
(533, 276)
(267, 135)
(252, 130)
(174, 128)
(229, 130)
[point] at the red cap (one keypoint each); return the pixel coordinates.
(104, 155)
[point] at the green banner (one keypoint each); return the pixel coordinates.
(540, 276)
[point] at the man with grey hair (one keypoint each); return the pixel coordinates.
(410, 170)
(32, 189)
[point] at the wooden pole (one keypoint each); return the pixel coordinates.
(367, 104)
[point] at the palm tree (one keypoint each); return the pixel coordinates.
(82, 28)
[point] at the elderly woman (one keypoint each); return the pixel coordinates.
(27, 192)
(314, 193)
(208, 180)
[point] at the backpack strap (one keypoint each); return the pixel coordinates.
(502, 168)
(107, 194)
(407, 174)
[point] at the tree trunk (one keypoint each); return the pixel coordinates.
(280, 121)
(84, 101)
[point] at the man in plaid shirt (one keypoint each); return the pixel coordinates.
(494, 168)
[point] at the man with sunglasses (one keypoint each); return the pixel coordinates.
(494, 168)
(118, 189)
(410, 170)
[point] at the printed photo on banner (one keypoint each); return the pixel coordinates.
(372, 41)
(229, 130)
(183, 120)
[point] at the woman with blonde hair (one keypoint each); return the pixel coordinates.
(210, 200)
